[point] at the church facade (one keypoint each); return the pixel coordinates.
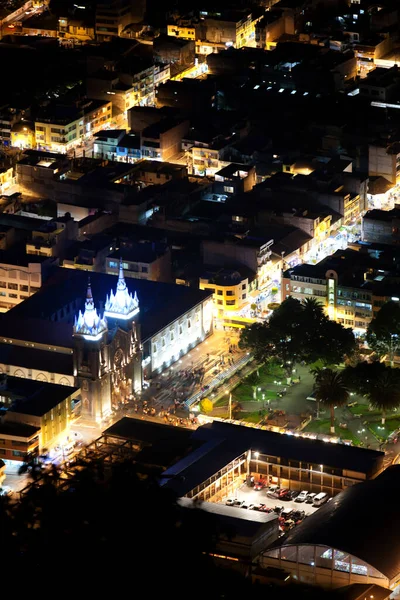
(106, 343)
(107, 351)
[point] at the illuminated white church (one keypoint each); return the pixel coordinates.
(107, 350)
(107, 343)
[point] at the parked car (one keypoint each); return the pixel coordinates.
(278, 509)
(238, 503)
(298, 515)
(255, 506)
(230, 502)
(286, 513)
(302, 497)
(320, 499)
(292, 495)
(266, 509)
(310, 498)
(284, 494)
(245, 504)
(259, 485)
(273, 493)
(6, 491)
(287, 525)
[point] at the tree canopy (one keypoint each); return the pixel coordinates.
(299, 331)
(383, 333)
(331, 390)
(378, 382)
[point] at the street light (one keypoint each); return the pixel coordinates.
(230, 405)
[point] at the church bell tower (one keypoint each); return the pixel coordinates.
(91, 360)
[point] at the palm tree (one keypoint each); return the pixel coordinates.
(384, 392)
(331, 390)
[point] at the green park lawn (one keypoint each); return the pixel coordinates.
(252, 417)
(391, 425)
(323, 427)
(363, 409)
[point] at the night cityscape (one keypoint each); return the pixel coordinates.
(200, 298)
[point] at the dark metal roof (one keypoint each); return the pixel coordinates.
(35, 397)
(336, 456)
(34, 358)
(160, 304)
(363, 520)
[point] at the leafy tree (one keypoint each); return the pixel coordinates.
(330, 388)
(378, 382)
(383, 333)
(362, 377)
(116, 518)
(299, 331)
(384, 393)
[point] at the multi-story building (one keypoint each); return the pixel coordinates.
(163, 139)
(112, 16)
(233, 28)
(75, 29)
(116, 144)
(176, 51)
(146, 260)
(384, 160)
(53, 237)
(381, 85)
(60, 127)
(6, 179)
(21, 276)
(253, 253)
(351, 285)
(19, 443)
(381, 226)
(8, 118)
(230, 287)
(234, 178)
(124, 89)
(47, 407)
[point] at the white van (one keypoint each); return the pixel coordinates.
(320, 499)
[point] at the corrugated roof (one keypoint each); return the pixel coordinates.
(363, 520)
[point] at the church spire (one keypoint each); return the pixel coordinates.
(88, 323)
(121, 305)
(121, 285)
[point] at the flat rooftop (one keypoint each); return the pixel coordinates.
(34, 397)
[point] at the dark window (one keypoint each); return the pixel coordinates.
(230, 293)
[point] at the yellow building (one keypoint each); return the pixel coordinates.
(6, 179)
(73, 29)
(230, 290)
(246, 32)
(23, 135)
(59, 128)
(45, 406)
(183, 33)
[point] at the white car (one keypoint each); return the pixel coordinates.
(230, 502)
(6, 491)
(302, 496)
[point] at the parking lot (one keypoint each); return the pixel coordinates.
(252, 496)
